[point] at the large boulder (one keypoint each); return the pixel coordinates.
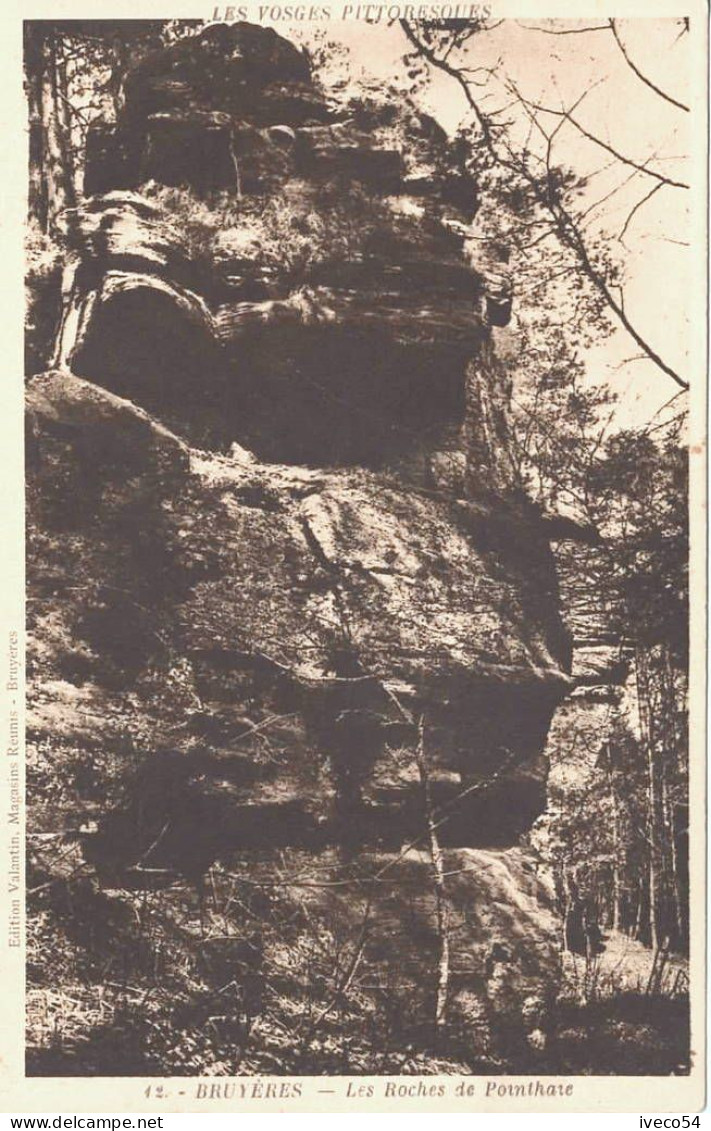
(337, 289)
(229, 658)
(350, 605)
(321, 360)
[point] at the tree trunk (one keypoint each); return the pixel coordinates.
(675, 695)
(57, 185)
(676, 911)
(616, 845)
(64, 128)
(655, 816)
(34, 67)
(439, 886)
(637, 932)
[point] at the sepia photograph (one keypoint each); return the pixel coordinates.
(358, 424)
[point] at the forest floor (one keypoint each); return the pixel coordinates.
(110, 999)
(625, 965)
(624, 1012)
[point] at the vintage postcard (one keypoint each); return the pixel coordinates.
(353, 639)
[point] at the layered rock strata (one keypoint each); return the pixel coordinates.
(275, 548)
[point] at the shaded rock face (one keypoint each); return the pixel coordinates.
(350, 602)
(273, 539)
(333, 328)
(332, 362)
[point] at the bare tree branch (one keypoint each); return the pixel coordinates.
(641, 167)
(638, 205)
(547, 195)
(349, 974)
(563, 31)
(643, 78)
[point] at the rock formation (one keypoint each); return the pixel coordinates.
(274, 533)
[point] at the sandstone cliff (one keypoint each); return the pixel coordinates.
(274, 544)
